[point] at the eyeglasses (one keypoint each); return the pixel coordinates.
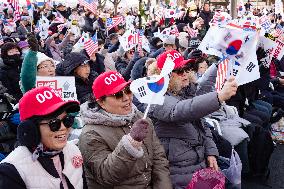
(55, 124)
(119, 94)
(180, 71)
(46, 66)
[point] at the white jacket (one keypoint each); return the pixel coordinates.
(35, 176)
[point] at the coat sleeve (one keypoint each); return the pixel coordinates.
(64, 42)
(124, 68)
(209, 144)
(161, 173)
(28, 71)
(10, 178)
(108, 167)
(207, 82)
(174, 110)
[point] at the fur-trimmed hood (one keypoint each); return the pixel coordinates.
(93, 115)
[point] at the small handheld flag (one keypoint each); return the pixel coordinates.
(151, 90)
(91, 46)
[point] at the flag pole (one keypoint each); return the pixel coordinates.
(146, 111)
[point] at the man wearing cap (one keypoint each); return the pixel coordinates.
(188, 144)
(44, 158)
(63, 11)
(22, 29)
(120, 149)
(169, 43)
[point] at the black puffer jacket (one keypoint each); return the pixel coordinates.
(67, 67)
(125, 66)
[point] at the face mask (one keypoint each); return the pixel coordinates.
(24, 52)
(13, 60)
(92, 16)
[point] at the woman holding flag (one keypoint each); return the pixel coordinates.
(119, 148)
(188, 144)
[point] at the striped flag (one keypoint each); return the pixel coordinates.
(89, 4)
(91, 46)
(221, 74)
(278, 31)
(192, 32)
(113, 22)
(140, 37)
(1, 40)
(16, 7)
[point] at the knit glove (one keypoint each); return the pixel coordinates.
(33, 42)
(139, 130)
(260, 53)
(195, 54)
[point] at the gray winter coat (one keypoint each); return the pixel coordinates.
(177, 123)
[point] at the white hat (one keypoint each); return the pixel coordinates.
(41, 57)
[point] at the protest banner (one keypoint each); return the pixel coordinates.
(63, 85)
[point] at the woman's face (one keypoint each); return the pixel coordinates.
(120, 106)
(46, 68)
(202, 67)
(130, 54)
(54, 140)
(83, 71)
(13, 52)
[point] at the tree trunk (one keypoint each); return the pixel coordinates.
(101, 4)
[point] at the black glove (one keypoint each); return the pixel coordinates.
(260, 53)
(195, 54)
(33, 42)
(106, 45)
(139, 130)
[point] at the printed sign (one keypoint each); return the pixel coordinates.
(63, 86)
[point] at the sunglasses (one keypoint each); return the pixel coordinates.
(131, 51)
(181, 71)
(119, 94)
(55, 124)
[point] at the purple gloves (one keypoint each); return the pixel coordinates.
(139, 130)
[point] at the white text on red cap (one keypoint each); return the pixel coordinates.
(112, 77)
(47, 95)
(174, 56)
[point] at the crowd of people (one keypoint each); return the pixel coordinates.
(112, 145)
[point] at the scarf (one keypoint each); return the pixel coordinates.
(116, 117)
(41, 151)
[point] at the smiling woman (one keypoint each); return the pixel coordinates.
(44, 158)
(117, 143)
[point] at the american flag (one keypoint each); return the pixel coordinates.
(1, 40)
(278, 31)
(89, 4)
(91, 45)
(113, 22)
(221, 74)
(216, 18)
(140, 37)
(192, 32)
(16, 7)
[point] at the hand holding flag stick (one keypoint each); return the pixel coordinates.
(151, 90)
